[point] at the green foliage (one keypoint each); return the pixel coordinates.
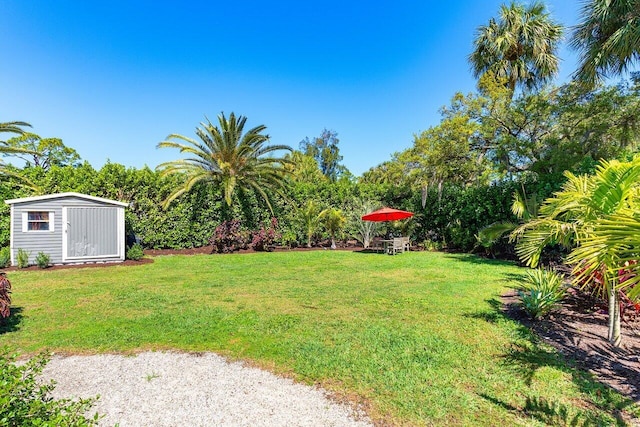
(520, 46)
(42, 260)
(135, 252)
(574, 218)
(606, 39)
(42, 152)
(324, 149)
(25, 401)
(234, 161)
(540, 292)
(363, 231)
(5, 257)
(309, 218)
(23, 258)
(333, 220)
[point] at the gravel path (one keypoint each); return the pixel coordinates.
(177, 389)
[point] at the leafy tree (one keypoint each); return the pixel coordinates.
(571, 218)
(443, 153)
(227, 157)
(333, 220)
(606, 38)
(326, 152)
(42, 152)
(519, 46)
(303, 168)
(549, 131)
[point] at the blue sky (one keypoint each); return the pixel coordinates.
(112, 79)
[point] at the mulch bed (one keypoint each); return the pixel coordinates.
(578, 330)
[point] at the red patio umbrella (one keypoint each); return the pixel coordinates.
(387, 214)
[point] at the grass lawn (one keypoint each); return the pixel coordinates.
(418, 338)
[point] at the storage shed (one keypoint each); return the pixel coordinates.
(69, 227)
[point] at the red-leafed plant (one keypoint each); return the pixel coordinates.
(5, 296)
(229, 237)
(629, 309)
(265, 238)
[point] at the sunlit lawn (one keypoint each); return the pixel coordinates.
(418, 338)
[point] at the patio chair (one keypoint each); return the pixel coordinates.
(376, 244)
(398, 246)
(406, 243)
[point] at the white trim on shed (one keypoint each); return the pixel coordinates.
(62, 195)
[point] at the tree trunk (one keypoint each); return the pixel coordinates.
(309, 240)
(614, 317)
(333, 243)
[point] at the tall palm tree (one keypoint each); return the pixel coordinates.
(574, 218)
(520, 46)
(607, 38)
(226, 156)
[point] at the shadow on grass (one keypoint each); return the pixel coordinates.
(368, 251)
(12, 323)
(526, 355)
(475, 259)
(555, 413)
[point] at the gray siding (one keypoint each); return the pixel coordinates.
(50, 242)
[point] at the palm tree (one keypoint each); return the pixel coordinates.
(606, 38)
(13, 127)
(333, 220)
(5, 148)
(574, 217)
(520, 46)
(228, 157)
(309, 216)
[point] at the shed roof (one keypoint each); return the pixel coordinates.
(62, 195)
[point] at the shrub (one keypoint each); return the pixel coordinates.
(541, 291)
(25, 401)
(135, 252)
(5, 257)
(264, 239)
(228, 237)
(289, 239)
(5, 296)
(42, 260)
(23, 258)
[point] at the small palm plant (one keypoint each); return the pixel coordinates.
(309, 216)
(334, 220)
(540, 292)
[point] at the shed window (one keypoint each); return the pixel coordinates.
(37, 221)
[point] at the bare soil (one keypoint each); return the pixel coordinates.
(578, 330)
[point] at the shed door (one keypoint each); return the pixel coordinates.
(91, 232)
